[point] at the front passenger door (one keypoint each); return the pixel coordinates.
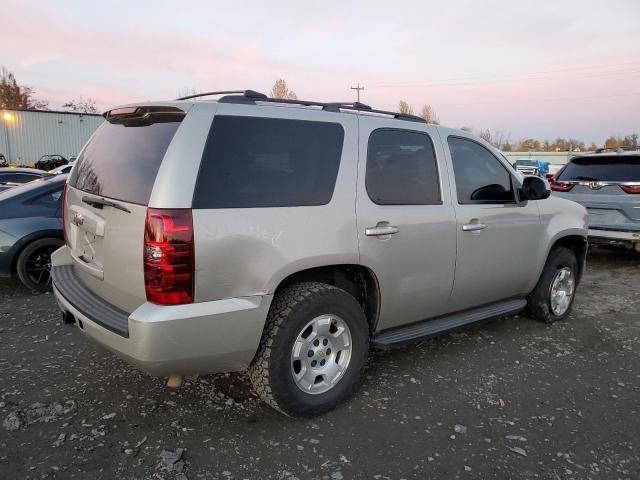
(497, 236)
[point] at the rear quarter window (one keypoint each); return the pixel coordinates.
(122, 160)
(251, 162)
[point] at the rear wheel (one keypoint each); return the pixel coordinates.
(313, 348)
(554, 294)
(34, 263)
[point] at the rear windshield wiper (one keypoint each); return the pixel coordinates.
(101, 202)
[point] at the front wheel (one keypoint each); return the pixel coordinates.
(313, 348)
(554, 294)
(34, 264)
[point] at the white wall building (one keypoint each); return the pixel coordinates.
(26, 135)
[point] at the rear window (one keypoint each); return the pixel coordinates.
(605, 168)
(122, 159)
(253, 162)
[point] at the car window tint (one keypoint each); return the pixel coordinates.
(402, 168)
(122, 161)
(267, 162)
(479, 176)
(604, 168)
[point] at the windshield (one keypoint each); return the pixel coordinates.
(527, 163)
(604, 168)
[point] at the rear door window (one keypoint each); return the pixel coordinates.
(122, 159)
(604, 168)
(253, 162)
(401, 168)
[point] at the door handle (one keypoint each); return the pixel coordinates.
(380, 230)
(473, 227)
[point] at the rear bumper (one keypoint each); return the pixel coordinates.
(206, 337)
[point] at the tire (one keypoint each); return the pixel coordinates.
(34, 263)
(292, 313)
(540, 305)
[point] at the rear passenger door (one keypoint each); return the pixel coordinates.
(498, 236)
(406, 225)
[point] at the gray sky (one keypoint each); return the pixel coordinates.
(535, 68)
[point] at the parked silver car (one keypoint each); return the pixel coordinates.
(285, 237)
(607, 183)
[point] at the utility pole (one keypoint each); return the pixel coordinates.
(357, 89)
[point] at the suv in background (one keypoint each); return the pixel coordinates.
(607, 183)
(285, 237)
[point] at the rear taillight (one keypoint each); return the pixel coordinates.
(169, 256)
(561, 186)
(64, 214)
(633, 189)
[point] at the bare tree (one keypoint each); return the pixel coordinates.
(486, 135)
(429, 114)
(501, 137)
(405, 108)
(281, 90)
(83, 105)
(16, 96)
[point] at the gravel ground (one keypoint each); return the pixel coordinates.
(511, 398)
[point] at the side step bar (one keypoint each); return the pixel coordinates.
(428, 328)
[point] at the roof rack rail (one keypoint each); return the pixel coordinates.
(249, 97)
(246, 93)
(358, 105)
(615, 149)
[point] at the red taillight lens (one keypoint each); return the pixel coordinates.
(561, 187)
(64, 214)
(633, 189)
(169, 256)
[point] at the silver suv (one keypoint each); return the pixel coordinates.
(287, 237)
(607, 183)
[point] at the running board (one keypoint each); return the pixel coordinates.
(427, 328)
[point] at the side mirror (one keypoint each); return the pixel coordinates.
(535, 188)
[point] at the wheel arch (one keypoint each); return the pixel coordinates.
(578, 245)
(358, 280)
(21, 244)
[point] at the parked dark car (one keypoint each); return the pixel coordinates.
(12, 177)
(49, 162)
(31, 230)
(3, 161)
